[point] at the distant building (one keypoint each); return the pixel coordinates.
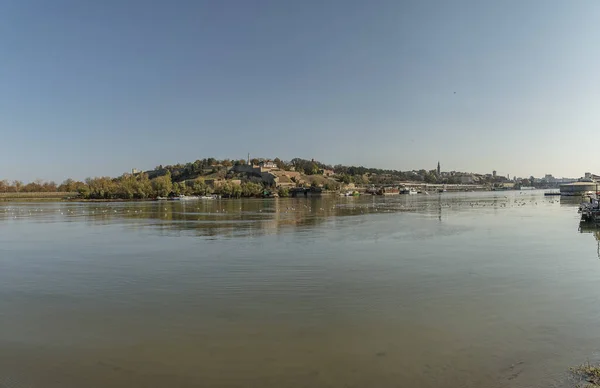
(267, 164)
(438, 168)
(467, 179)
(494, 173)
(327, 172)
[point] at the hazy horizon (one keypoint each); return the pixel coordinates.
(99, 88)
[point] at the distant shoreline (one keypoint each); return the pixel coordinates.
(75, 197)
(37, 196)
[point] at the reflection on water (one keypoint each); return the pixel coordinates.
(591, 228)
(242, 218)
(453, 289)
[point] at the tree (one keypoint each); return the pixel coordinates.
(284, 192)
(236, 190)
(332, 186)
(228, 189)
(68, 186)
(200, 187)
(280, 164)
(311, 169)
(101, 188)
(360, 179)
(252, 189)
(18, 185)
(254, 161)
(162, 185)
(430, 177)
(176, 189)
(346, 179)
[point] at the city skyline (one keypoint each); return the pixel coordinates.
(96, 88)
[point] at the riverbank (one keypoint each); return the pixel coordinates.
(51, 196)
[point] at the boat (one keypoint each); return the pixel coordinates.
(188, 197)
(590, 211)
(161, 198)
(388, 191)
(551, 193)
(408, 191)
(208, 197)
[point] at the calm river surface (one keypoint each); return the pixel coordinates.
(453, 290)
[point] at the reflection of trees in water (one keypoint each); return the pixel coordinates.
(248, 217)
(594, 230)
(229, 218)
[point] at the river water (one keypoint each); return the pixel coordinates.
(496, 289)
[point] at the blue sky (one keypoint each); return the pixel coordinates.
(94, 88)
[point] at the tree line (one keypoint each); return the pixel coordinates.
(188, 179)
(138, 186)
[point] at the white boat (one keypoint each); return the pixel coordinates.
(188, 197)
(408, 191)
(208, 197)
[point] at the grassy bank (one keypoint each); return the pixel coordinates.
(56, 196)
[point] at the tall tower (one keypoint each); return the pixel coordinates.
(438, 169)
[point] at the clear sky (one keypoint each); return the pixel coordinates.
(92, 88)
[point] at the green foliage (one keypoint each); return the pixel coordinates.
(187, 179)
(200, 187)
(251, 189)
(176, 189)
(162, 185)
(430, 177)
(229, 189)
(133, 187)
(346, 179)
(101, 188)
(281, 164)
(284, 192)
(360, 179)
(331, 186)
